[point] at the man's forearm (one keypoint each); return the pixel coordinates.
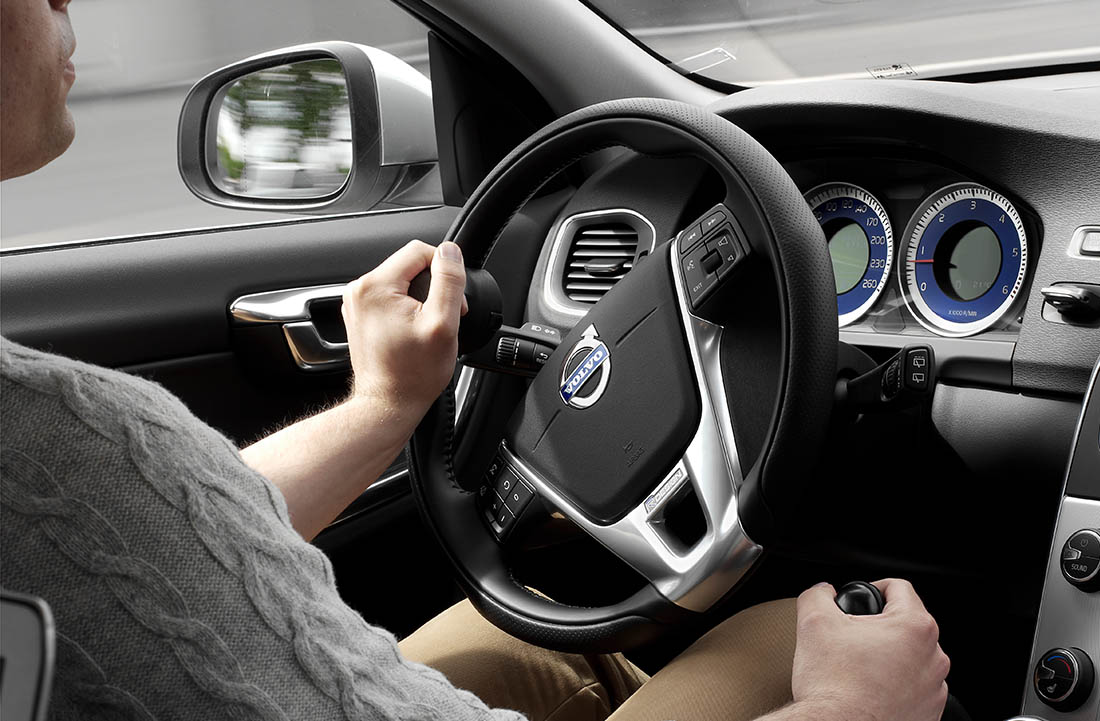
(322, 463)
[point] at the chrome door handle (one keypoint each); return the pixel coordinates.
(291, 309)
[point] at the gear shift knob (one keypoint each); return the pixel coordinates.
(860, 598)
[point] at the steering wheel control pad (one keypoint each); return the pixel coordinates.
(503, 496)
(709, 251)
(615, 405)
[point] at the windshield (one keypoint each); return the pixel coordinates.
(754, 42)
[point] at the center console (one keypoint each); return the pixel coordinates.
(1065, 654)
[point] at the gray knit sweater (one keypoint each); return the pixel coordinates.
(179, 588)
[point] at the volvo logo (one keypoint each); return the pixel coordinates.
(585, 371)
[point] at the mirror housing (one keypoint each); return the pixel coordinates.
(392, 131)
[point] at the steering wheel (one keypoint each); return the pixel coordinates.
(637, 421)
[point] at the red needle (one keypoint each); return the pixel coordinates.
(921, 261)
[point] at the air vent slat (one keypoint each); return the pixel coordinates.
(600, 241)
(580, 275)
(623, 232)
(604, 243)
(601, 253)
(581, 263)
(604, 285)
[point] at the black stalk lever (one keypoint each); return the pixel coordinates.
(518, 351)
(903, 380)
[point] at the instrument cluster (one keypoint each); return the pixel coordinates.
(915, 246)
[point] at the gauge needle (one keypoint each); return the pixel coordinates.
(921, 261)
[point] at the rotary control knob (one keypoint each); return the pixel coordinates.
(1063, 678)
(1080, 559)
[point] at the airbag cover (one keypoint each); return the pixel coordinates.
(604, 440)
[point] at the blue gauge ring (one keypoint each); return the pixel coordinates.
(954, 309)
(878, 243)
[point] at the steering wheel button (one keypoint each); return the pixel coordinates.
(503, 520)
(518, 497)
(690, 237)
(696, 278)
(727, 249)
(712, 261)
(493, 470)
(712, 221)
(506, 481)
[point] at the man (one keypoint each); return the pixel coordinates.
(182, 586)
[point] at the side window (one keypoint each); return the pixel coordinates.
(135, 61)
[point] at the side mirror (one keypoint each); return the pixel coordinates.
(319, 128)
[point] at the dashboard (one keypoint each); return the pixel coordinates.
(949, 209)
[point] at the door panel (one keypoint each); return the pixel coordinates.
(165, 297)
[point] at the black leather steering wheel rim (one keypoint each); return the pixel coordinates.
(798, 255)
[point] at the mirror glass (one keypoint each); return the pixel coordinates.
(284, 132)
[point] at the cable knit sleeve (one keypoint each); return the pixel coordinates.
(179, 588)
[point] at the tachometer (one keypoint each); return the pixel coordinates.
(965, 259)
(861, 245)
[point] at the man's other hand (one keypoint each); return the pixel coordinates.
(888, 666)
(403, 351)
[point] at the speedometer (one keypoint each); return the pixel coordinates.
(861, 245)
(965, 259)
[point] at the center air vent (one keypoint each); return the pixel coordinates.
(600, 253)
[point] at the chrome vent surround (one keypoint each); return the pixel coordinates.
(599, 255)
(591, 252)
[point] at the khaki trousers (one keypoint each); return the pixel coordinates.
(738, 671)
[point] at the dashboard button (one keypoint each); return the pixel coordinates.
(1087, 541)
(1080, 560)
(1063, 678)
(1080, 569)
(690, 237)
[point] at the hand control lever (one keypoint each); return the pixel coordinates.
(860, 598)
(486, 307)
(903, 380)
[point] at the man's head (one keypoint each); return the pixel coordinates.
(36, 42)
